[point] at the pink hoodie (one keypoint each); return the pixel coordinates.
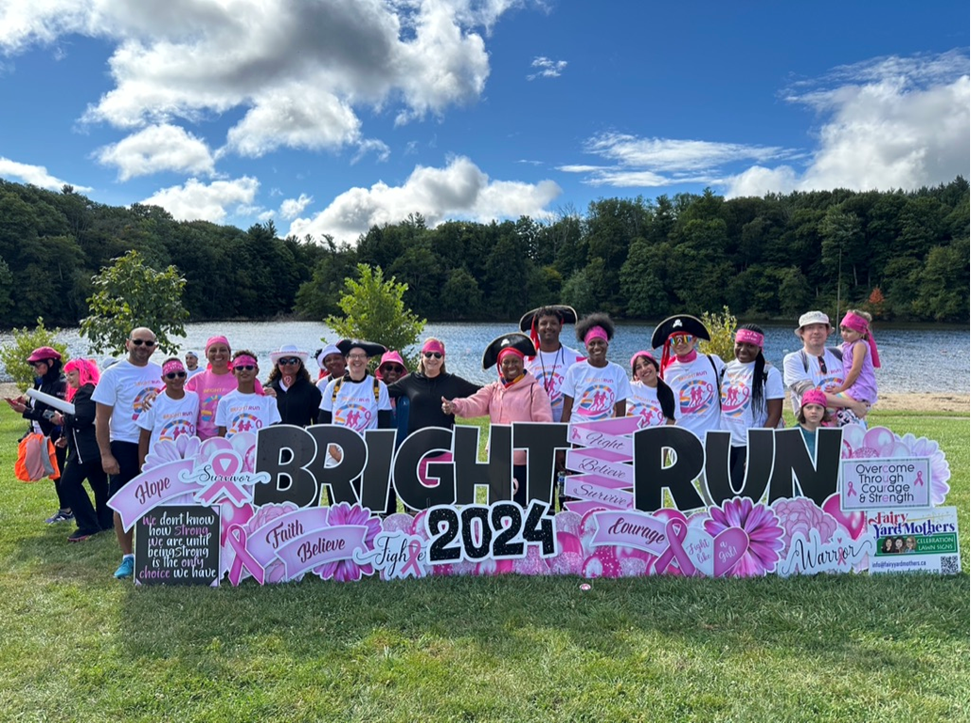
(525, 401)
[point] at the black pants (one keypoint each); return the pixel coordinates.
(90, 519)
(63, 500)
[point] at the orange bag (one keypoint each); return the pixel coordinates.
(36, 459)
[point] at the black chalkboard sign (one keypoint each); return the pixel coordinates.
(177, 545)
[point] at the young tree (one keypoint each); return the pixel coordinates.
(129, 294)
(25, 341)
(374, 310)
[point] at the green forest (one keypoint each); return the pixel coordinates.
(902, 255)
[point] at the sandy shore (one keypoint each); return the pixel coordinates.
(919, 403)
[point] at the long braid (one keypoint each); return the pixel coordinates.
(758, 375)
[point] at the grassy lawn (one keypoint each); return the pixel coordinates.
(78, 645)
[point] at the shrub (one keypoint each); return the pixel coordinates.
(14, 356)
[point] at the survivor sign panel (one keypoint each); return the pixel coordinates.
(655, 501)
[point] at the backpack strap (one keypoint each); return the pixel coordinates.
(337, 388)
(340, 381)
(719, 377)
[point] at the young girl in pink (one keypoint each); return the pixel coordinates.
(860, 359)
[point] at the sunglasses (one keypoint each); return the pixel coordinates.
(681, 338)
(146, 342)
(245, 368)
(436, 355)
(38, 362)
(288, 360)
(174, 375)
(393, 368)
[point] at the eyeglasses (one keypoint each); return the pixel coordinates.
(146, 342)
(174, 375)
(397, 369)
(822, 364)
(288, 360)
(436, 355)
(245, 368)
(357, 356)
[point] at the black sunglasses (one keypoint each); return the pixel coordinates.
(288, 360)
(429, 355)
(174, 375)
(245, 368)
(394, 368)
(146, 342)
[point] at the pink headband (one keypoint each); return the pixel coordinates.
(647, 355)
(750, 337)
(596, 333)
(244, 359)
(813, 397)
(433, 345)
(218, 339)
(506, 351)
(861, 325)
(172, 365)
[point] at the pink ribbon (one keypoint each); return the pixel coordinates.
(920, 478)
(224, 465)
(675, 530)
(237, 541)
(414, 550)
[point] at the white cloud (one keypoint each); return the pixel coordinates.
(460, 189)
(36, 175)
(299, 69)
(547, 68)
(196, 200)
(379, 148)
(888, 123)
(157, 148)
(292, 208)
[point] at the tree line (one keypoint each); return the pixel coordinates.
(902, 255)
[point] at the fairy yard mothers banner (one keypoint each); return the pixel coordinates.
(654, 501)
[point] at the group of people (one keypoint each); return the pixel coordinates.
(123, 412)
(891, 545)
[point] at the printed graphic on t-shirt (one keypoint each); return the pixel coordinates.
(697, 397)
(596, 399)
(354, 415)
(552, 381)
(143, 401)
(243, 422)
(736, 396)
(179, 426)
(648, 414)
(207, 409)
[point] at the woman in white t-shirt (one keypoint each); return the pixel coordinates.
(651, 400)
(751, 395)
(595, 389)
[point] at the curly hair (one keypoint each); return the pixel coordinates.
(597, 319)
(275, 374)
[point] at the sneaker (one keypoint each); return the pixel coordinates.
(78, 536)
(126, 569)
(60, 516)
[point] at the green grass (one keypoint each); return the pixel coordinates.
(78, 645)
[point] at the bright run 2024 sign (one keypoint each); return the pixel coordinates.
(648, 502)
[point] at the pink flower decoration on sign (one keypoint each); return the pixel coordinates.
(879, 442)
(276, 571)
(347, 570)
(763, 530)
(800, 515)
(184, 447)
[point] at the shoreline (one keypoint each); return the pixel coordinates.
(913, 402)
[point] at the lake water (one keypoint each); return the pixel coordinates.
(929, 359)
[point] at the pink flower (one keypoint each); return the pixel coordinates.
(763, 530)
(276, 571)
(346, 569)
(940, 470)
(184, 447)
(800, 515)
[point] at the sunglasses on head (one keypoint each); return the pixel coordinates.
(393, 368)
(245, 368)
(436, 355)
(146, 342)
(174, 375)
(288, 360)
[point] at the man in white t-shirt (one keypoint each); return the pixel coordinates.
(124, 392)
(553, 359)
(815, 366)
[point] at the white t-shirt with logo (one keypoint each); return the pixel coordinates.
(246, 412)
(355, 405)
(736, 393)
(549, 368)
(796, 371)
(695, 388)
(595, 390)
(644, 405)
(129, 389)
(168, 419)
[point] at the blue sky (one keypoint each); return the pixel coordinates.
(327, 117)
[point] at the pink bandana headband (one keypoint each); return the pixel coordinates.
(596, 333)
(218, 339)
(861, 325)
(748, 336)
(244, 360)
(506, 351)
(433, 345)
(173, 365)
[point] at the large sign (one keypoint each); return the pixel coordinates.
(641, 502)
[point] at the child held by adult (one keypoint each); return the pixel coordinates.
(860, 358)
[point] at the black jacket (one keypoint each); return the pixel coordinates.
(298, 404)
(54, 384)
(79, 427)
(425, 395)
